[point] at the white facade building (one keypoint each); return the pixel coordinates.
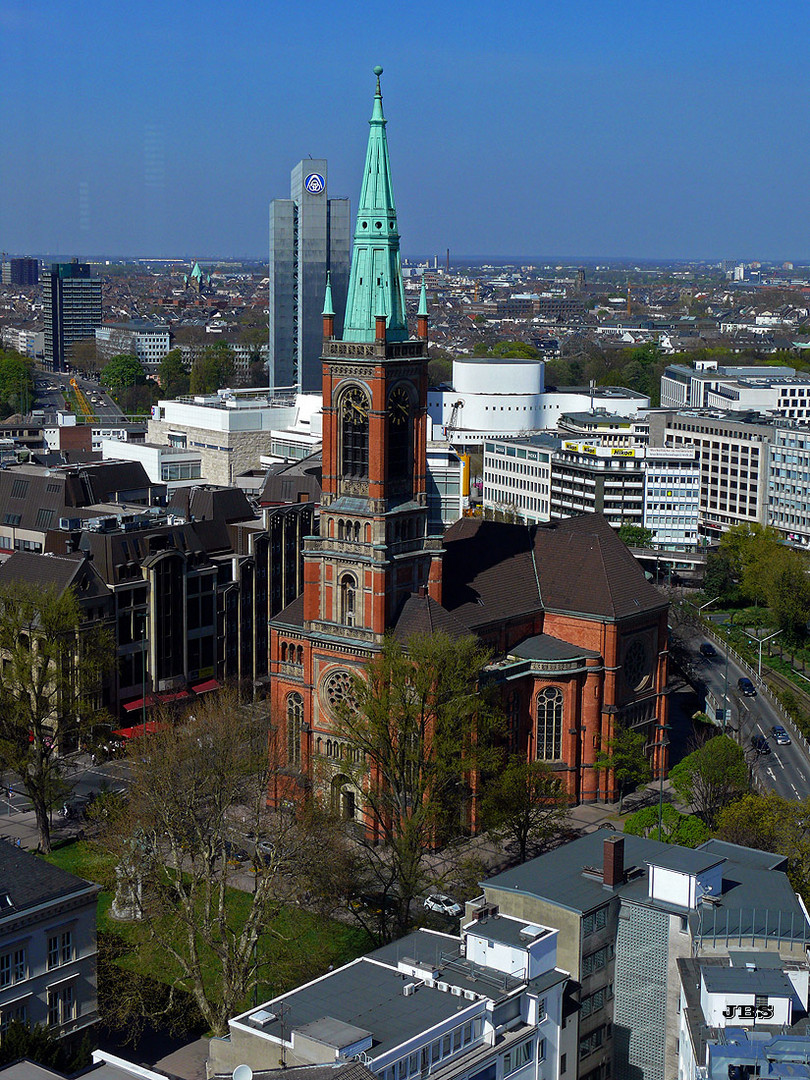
(485, 1006)
(232, 428)
(780, 391)
(148, 341)
(163, 464)
(26, 342)
(503, 398)
(517, 477)
(672, 496)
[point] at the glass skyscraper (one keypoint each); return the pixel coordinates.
(309, 236)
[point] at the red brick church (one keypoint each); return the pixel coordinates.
(578, 635)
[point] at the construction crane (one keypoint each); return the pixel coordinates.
(452, 423)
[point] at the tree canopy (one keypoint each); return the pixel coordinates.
(122, 372)
(173, 374)
(16, 383)
(711, 776)
(212, 369)
(676, 828)
(771, 823)
(635, 535)
(417, 730)
(625, 755)
(198, 790)
(50, 690)
(525, 801)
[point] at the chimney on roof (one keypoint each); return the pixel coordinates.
(613, 862)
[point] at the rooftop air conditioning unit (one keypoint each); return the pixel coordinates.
(409, 989)
(456, 991)
(443, 986)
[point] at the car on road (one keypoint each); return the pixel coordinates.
(760, 744)
(708, 650)
(442, 905)
(780, 736)
(746, 687)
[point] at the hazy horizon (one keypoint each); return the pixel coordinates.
(638, 127)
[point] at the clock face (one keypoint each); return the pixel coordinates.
(355, 406)
(399, 406)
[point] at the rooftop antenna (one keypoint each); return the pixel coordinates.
(592, 387)
(282, 1011)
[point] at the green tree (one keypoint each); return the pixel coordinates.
(625, 756)
(212, 369)
(122, 372)
(710, 777)
(418, 728)
(748, 548)
(719, 579)
(786, 587)
(41, 1045)
(16, 383)
(635, 535)
(173, 374)
(676, 828)
(50, 690)
(526, 803)
(771, 823)
(195, 787)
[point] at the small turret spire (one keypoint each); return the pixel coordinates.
(328, 305)
(422, 313)
(328, 310)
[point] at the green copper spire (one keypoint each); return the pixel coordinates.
(375, 282)
(423, 311)
(328, 306)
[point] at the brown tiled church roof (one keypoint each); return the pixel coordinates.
(493, 571)
(422, 615)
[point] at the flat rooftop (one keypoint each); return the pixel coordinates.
(364, 995)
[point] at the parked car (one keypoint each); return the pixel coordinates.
(442, 905)
(781, 737)
(708, 650)
(760, 744)
(746, 687)
(376, 903)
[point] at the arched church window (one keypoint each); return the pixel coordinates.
(356, 531)
(549, 724)
(283, 651)
(348, 600)
(295, 718)
(340, 530)
(354, 408)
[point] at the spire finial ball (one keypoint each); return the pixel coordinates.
(378, 71)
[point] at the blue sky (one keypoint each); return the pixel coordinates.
(644, 129)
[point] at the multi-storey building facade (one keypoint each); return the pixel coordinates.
(588, 478)
(309, 237)
(148, 341)
(23, 271)
(71, 300)
(628, 912)
(734, 453)
(47, 945)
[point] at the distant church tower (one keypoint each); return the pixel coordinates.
(374, 550)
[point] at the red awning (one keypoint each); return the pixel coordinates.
(149, 728)
(131, 706)
(179, 695)
(206, 687)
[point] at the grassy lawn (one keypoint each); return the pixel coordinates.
(297, 945)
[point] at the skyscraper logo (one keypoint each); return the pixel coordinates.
(315, 184)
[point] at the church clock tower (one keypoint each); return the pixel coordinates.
(373, 550)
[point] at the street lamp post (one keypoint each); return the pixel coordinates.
(728, 650)
(762, 642)
(708, 602)
(663, 729)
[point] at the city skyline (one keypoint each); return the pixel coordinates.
(629, 131)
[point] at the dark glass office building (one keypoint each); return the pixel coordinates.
(71, 299)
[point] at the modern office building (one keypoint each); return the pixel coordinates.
(71, 300)
(148, 341)
(309, 238)
(20, 272)
(734, 452)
